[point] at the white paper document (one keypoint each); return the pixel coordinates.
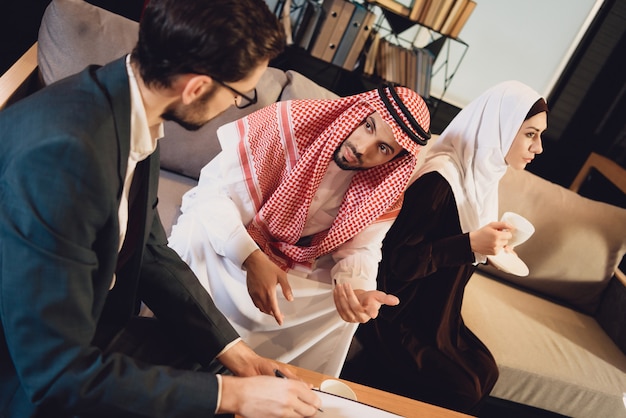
(337, 407)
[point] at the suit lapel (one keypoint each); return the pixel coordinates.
(135, 233)
(112, 80)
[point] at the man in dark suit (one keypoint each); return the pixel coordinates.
(81, 242)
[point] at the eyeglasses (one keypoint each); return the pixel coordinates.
(241, 101)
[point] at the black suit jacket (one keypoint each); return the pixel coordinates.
(63, 158)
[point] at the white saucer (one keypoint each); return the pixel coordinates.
(509, 263)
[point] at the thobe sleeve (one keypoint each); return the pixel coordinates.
(357, 259)
(220, 206)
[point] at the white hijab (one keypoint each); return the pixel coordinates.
(470, 152)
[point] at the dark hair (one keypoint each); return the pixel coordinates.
(539, 106)
(225, 39)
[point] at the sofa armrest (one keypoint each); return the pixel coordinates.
(612, 172)
(608, 168)
(21, 79)
(612, 309)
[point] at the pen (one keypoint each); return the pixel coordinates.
(280, 374)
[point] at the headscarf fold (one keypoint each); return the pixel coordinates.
(299, 138)
(470, 152)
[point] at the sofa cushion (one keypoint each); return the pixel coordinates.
(186, 152)
(577, 244)
(549, 356)
(74, 34)
(301, 87)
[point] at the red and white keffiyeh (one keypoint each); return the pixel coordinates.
(285, 149)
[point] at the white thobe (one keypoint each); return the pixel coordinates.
(210, 236)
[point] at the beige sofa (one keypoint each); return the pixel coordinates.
(555, 334)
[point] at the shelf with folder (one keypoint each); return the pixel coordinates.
(334, 31)
(447, 17)
(333, 77)
(446, 52)
(346, 83)
(332, 45)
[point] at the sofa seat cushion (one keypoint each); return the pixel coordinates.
(577, 244)
(172, 187)
(549, 356)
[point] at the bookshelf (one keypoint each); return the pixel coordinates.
(447, 17)
(409, 44)
(448, 52)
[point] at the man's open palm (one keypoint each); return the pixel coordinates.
(360, 305)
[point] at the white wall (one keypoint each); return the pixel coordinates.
(530, 41)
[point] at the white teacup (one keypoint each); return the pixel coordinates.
(523, 228)
(337, 388)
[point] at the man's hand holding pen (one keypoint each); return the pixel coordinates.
(247, 397)
(280, 374)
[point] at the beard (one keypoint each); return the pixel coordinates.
(182, 120)
(192, 116)
(342, 163)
